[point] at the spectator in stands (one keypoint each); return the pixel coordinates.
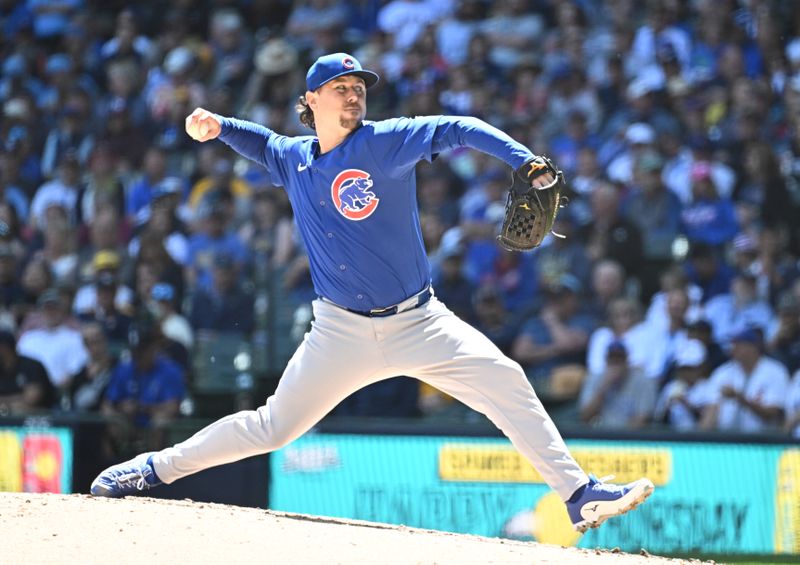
(160, 220)
(140, 191)
(558, 335)
(106, 265)
(405, 20)
(269, 233)
(620, 396)
(640, 139)
(101, 187)
(607, 284)
(710, 218)
(225, 307)
(59, 247)
(106, 232)
(706, 269)
(674, 334)
(563, 255)
(223, 180)
(608, 235)
(114, 321)
(656, 212)
(749, 391)
(57, 346)
(673, 278)
(24, 385)
(644, 350)
(72, 136)
(482, 209)
(493, 319)
(684, 398)
(127, 42)
(173, 325)
(212, 237)
(514, 275)
(87, 389)
(776, 267)
(62, 191)
(701, 330)
(154, 264)
(232, 49)
(145, 392)
(731, 313)
(512, 29)
(452, 287)
(124, 132)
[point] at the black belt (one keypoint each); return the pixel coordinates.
(409, 304)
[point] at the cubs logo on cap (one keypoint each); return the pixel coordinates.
(352, 195)
(335, 65)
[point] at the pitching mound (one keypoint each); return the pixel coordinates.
(48, 528)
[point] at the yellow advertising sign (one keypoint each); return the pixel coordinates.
(10, 462)
(492, 464)
(787, 503)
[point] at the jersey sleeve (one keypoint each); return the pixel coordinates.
(257, 143)
(402, 142)
(466, 131)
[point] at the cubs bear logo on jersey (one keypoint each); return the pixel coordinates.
(351, 193)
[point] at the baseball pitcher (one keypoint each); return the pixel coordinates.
(352, 188)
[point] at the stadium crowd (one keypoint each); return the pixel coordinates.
(673, 298)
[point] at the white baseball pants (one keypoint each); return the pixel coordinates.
(344, 352)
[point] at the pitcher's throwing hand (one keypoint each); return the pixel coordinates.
(202, 125)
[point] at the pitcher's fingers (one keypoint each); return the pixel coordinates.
(204, 127)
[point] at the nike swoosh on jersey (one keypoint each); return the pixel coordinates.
(301, 167)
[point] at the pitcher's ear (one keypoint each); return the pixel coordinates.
(311, 98)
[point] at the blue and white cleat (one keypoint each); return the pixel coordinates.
(600, 501)
(126, 478)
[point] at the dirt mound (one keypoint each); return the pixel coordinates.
(49, 528)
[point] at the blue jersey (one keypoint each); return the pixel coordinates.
(356, 205)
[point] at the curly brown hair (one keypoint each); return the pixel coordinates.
(305, 113)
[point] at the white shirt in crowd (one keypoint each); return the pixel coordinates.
(727, 319)
(647, 349)
(683, 417)
(60, 350)
(768, 384)
(86, 299)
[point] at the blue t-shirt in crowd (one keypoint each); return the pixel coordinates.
(162, 383)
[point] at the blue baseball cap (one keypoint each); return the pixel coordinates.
(335, 65)
(748, 335)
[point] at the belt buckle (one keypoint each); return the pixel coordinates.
(381, 312)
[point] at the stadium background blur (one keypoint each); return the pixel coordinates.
(677, 124)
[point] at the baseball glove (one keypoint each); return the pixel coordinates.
(531, 211)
